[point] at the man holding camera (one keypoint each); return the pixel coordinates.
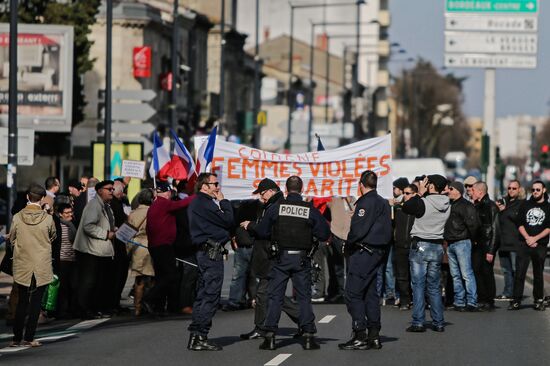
(210, 222)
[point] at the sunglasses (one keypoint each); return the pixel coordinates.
(468, 185)
(215, 184)
(408, 193)
(513, 188)
(109, 189)
(536, 189)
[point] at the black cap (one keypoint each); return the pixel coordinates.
(458, 186)
(76, 184)
(266, 184)
(401, 183)
(163, 187)
(103, 184)
(438, 181)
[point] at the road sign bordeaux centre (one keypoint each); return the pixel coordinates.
(493, 6)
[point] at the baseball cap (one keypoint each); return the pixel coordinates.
(163, 187)
(266, 184)
(470, 180)
(76, 184)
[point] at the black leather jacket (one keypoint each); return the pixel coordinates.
(509, 233)
(463, 223)
(489, 233)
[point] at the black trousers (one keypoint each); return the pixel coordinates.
(289, 308)
(67, 298)
(188, 282)
(485, 277)
(120, 272)
(336, 268)
(166, 277)
(94, 276)
(28, 304)
(401, 270)
(537, 257)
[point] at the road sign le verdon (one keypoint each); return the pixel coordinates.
(493, 6)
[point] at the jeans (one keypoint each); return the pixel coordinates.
(425, 262)
(460, 264)
(385, 279)
(241, 270)
(537, 256)
(508, 265)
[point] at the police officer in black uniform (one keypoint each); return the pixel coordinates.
(210, 222)
(368, 239)
(291, 225)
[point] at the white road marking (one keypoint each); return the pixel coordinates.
(12, 349)
(87, 324)
(278, 360)
(55, 337)
(327, 319)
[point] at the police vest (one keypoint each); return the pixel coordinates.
(292, 229)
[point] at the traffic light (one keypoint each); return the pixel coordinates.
(543, 159)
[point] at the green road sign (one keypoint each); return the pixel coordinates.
(492, 6)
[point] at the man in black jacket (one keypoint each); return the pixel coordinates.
(483, 252)
(509, 237)
(403, 224)
(534, 227)
(460, 229)
(270, 194)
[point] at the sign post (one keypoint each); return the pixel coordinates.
(491, 34)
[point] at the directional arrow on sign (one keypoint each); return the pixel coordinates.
(133, 128)
(130, 112)
(123, 94)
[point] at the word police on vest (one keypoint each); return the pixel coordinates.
(294, 211)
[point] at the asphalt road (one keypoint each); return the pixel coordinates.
(498, 338)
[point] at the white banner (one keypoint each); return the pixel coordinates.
(325, 173)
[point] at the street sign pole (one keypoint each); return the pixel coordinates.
(108, 91)
(12, 114)
(489, 127)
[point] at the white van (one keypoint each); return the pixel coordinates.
(411, 168)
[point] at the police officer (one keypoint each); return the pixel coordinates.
(292, 225)
(368, 238)
(210, 220)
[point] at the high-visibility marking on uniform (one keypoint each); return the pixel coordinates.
(327, 319)
(294, 211)
(279, 359)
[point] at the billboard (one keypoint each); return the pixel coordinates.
(44, 76)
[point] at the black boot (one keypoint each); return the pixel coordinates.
(309, 342)
(201, 343)
(269, 342)
(357, 342)
(373, 341)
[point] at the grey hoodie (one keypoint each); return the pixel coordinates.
(431, 225)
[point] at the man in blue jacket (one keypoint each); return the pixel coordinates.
(210, 222)
(368, 239)
(292, 225)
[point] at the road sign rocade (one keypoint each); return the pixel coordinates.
(493, 6)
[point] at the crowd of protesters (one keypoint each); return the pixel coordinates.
(446, 236)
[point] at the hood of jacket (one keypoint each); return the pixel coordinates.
(440, 202)
(32, 215)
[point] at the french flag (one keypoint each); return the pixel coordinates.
(161, 160)
(182, 165)
(206, 152)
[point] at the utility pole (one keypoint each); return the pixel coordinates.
(222, 68)
(256, 107)
(327, 77)
(289, 96)
(489, 127)
(11, 178)
(108, 91)
(175, 67)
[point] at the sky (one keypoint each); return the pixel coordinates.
(418, 26)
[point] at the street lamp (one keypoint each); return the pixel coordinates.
(357, 3)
